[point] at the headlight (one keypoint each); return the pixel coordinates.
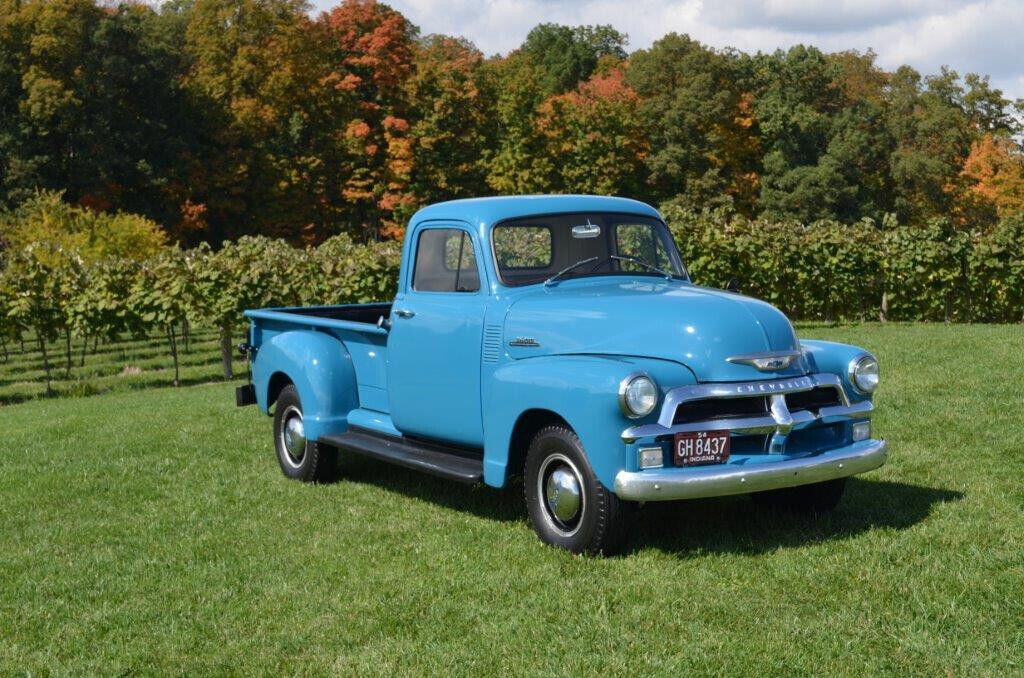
(638, 396)
(864, 374)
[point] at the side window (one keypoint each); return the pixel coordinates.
(641, 241)
(445, 262)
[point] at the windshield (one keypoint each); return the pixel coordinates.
(538, 249)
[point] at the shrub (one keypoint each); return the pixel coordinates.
(93, 235)
(832, 271)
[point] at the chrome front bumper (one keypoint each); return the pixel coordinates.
(724, 479)
(778, 419)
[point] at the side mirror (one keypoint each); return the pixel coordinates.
(733, 285)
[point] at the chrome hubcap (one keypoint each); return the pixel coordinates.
(563, 494)
(293, 436)
(561, 486)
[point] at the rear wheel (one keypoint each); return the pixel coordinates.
(813, 498)
(567, 505)
(298, 457)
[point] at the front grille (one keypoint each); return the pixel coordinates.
(815, 399)
(752, 406)
(721, 408)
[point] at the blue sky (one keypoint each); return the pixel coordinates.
(984, 37)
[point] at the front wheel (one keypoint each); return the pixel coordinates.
(299, 458)
(567, 505)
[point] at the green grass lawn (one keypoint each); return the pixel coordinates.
(152, 532)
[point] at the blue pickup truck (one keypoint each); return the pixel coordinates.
(560, 339)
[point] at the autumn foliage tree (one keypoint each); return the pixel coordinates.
(994, 171)
(370, 50)
(595, 141)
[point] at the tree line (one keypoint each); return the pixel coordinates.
(221, 118)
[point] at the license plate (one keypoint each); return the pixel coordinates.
(702, 447)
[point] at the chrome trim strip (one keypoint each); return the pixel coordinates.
(724, 479)
(767, 424)
(767, 361)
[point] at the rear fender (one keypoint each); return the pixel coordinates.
(321, 369)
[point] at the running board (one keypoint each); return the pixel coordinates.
(433, 459)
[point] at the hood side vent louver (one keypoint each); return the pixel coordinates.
(492, 344)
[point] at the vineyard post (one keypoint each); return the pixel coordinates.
(174, 353)
(225, 351)
(46, 365)
(67, 350)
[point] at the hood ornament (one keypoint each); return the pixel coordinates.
(770, 361)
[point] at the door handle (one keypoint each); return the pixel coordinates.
(404, 313)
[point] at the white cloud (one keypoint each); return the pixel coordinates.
(983, 36)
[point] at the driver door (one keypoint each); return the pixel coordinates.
(434, 343)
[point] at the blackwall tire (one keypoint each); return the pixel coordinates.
(568, 506)
(300, 459)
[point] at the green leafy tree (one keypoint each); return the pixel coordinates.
(346, 273)
(519, 163)
(452, 127)
(568, 55)
(996, 271)
(9, 328)
(102, 308)
(91, 105)
(253, 272)
(700, 123)
(932, 137)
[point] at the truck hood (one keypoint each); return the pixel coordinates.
(670, 320)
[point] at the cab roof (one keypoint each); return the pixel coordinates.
(487, 211)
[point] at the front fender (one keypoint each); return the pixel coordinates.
(582, 390)
(834, 358)
(321, 369)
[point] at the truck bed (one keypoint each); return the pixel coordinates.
(354, 325)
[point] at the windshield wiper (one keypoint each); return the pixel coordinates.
(568, 268)
(640, 262)
(584, 262)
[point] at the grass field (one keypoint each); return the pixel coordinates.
(151, 532)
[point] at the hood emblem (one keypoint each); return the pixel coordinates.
(771, 361)
(524, 341)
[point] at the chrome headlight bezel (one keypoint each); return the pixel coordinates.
(861, 371)
(628, 396)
